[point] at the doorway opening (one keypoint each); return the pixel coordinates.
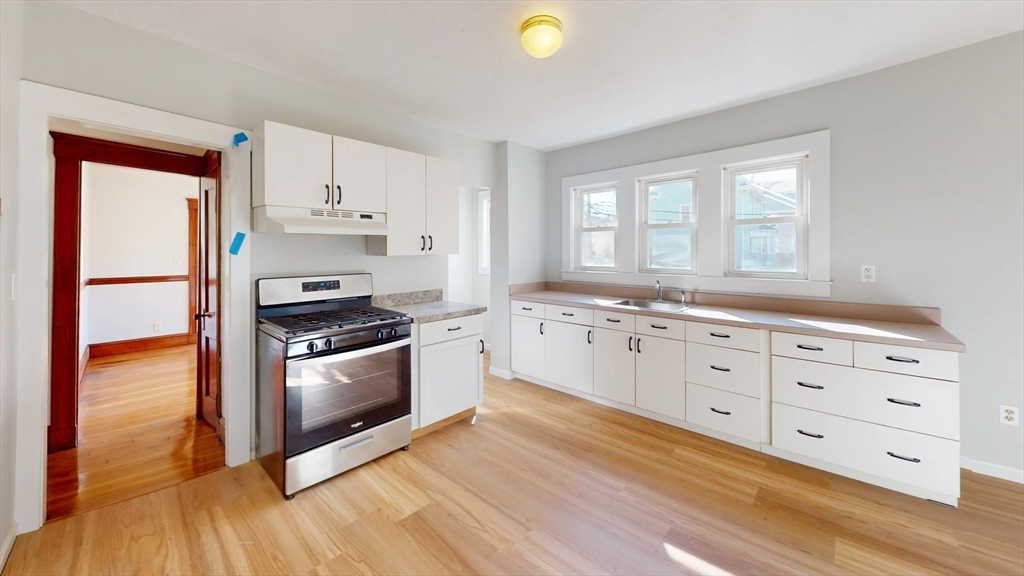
(135, 370)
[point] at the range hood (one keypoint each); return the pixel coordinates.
(286, 220)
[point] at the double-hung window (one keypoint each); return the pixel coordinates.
(766, 218)
(598, 224)
(667, 220)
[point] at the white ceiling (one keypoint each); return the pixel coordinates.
(624, 66)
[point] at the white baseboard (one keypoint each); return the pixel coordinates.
(994, 470)
(7, 544)
(503, 374)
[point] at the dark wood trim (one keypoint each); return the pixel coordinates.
(135, 280)
(82, 363)
(137, 345)
(62, 433)
(193, 268)
(127, 155)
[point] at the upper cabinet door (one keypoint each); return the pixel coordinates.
(442, 206)
(406, 203)
(296, 167)
(360, 176)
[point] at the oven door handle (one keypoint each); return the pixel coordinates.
(342, 356)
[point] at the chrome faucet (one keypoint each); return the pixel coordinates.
(657, 286)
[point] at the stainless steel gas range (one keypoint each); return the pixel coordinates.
(334, 377)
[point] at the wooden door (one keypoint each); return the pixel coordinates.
(442, 206)
(528, 346)
(449, 379)
(569, 355)
(295, 167)
(406, 180)
(614, 365)
(660, 375)
(208, 405)
(360, 176)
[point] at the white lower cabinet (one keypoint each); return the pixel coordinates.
(615, 365)
(724, 411)
(660, 376)
(451, 378)
(569, 355)
(528, 346)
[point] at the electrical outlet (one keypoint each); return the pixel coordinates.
(156, 327)
(1009, 415)
(867, 273)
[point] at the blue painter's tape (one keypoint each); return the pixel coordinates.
(236, 244)
(238, 139)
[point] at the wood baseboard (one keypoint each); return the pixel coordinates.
(442, 423)
(137, 345)
(82, 363)
(61, 438)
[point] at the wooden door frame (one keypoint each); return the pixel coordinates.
(69, 152)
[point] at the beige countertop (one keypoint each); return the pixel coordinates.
(901, 333)
(438, 310)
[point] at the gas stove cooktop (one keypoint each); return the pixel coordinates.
(332, 320)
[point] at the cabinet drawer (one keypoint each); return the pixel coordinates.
(723, 411)
(815, 348)
(908, 402)
(905, 360)
(661, 327)
(725, 336)
(614, 321)
(444, 330)
(584, 316)
(917, 459)
(531, 309)
(736, 371)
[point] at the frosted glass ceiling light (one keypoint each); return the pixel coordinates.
(541, 36)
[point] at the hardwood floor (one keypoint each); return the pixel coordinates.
(137, 432)
(543, 483)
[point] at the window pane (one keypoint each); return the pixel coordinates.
(766, 193)
(669, 248)
(670, 202)
(599, 209)
(598, 249)
(766, 248)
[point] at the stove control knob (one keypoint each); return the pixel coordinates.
(329, 344)
(394, 332)
(311, 347)
(380, 334)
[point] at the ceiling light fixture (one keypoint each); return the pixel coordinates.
(541, 36)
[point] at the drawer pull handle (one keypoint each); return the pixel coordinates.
(722, 412)
(811, 348)
(898, 457)
(613, 320)
(590, 334)
(720, 369)
(454, 329)
(630, 345)
(541, 328)
(904, 402)
(659, 327)
(528, 309)
(818, 436)
(567, 314)
(638, 346)
(902, 359)
(813, 386)
(719, 335)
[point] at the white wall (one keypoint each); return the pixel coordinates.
(10, 73)
(68, 48)
(134, 223)
(460, 266)
(481, 283)
(926, 185)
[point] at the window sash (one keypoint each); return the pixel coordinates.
(643, 205)
(580, 228)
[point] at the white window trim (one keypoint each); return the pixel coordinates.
(799, 219)
(643, 198)
(711, 245)
(579, 229)
(483, 251)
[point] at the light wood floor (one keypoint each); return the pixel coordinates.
(137, 432)
(543, 483)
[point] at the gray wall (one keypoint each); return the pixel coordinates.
(927, 184)
(71, 49)
(10, 72)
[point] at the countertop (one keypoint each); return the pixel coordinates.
(439, 310)
(900, 333)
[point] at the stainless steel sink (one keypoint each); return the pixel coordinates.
(656, 305)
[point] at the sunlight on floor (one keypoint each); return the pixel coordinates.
(691, 562)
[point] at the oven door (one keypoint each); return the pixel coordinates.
(333, 395)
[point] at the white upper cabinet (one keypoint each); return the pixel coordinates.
(360, 176)
(442, 206)
(292, 167)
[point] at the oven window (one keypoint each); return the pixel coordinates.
(331, 396)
